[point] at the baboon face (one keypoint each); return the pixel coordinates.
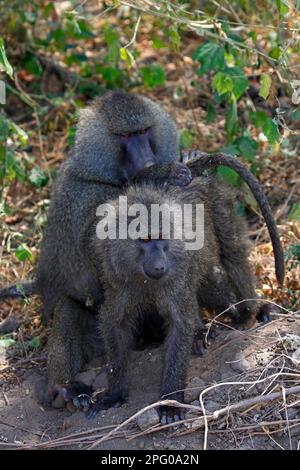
(137, 152)
(154, 258)
(131, 123)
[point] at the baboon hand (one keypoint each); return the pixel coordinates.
(104, 403)
(202, 337)
(180, 175)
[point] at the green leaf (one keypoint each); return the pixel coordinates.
(48, 10)
(157, 43)
(295, 212)
(275, 53)
(211, 57)
(38, 177)
(127, 56)
(292, 251)
(4, 63)
(211, 113)
(6, 342)
(239, 81)
(271, 131)
(186, 139)
(153, 75)
(222, 83)
(22, 135)
(295, 116)
(229, 175)
(231, 149)
(265, 85)
(111, 38)
(174, 38)
(35, 343)
(231, 117)
(59, 37)
(258, 118)
(283, 7)
(248, 147)
(23, 253)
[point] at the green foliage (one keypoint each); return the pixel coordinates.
(153, 76)
(211, 57)
(186, 139)
(5, 342)
(23, 253)
(38, 177)
(265, 85)
(292, 252)
(4, 63)
(295, 212)
(34, 343)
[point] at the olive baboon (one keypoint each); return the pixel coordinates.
(159, 276)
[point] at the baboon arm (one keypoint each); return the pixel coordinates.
(117, 349)
(178, 347)
(164, 174)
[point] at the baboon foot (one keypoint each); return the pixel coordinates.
(171, 414)
(180, 175)
(104, 403)
(77, 393)
(244, 316)
(264, 314)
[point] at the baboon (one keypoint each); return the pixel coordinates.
(121, 138)
(158, 276)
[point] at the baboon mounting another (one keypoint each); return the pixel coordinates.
(121, 138)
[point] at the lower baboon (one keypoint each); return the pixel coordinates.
(159, 276)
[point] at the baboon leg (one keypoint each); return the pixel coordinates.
(178, 347)
(66, 353)
(117, 345)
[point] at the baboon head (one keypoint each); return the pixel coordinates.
(153, 255)
(121, 134)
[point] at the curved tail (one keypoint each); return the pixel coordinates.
(200, 161)
(18, 291)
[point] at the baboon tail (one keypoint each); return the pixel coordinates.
(18, 291)
(199, 161)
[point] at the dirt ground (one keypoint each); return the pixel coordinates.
(267, 355)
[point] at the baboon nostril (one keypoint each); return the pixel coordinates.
(159, 268)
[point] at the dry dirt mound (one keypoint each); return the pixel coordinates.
(250, 384)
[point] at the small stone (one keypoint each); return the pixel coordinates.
(86, 377)
(193, 389)
(148, 419)
(9, 325)
(211, 406)
(141, 444)
(240, 364)
(100, 381)
(58, 402)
